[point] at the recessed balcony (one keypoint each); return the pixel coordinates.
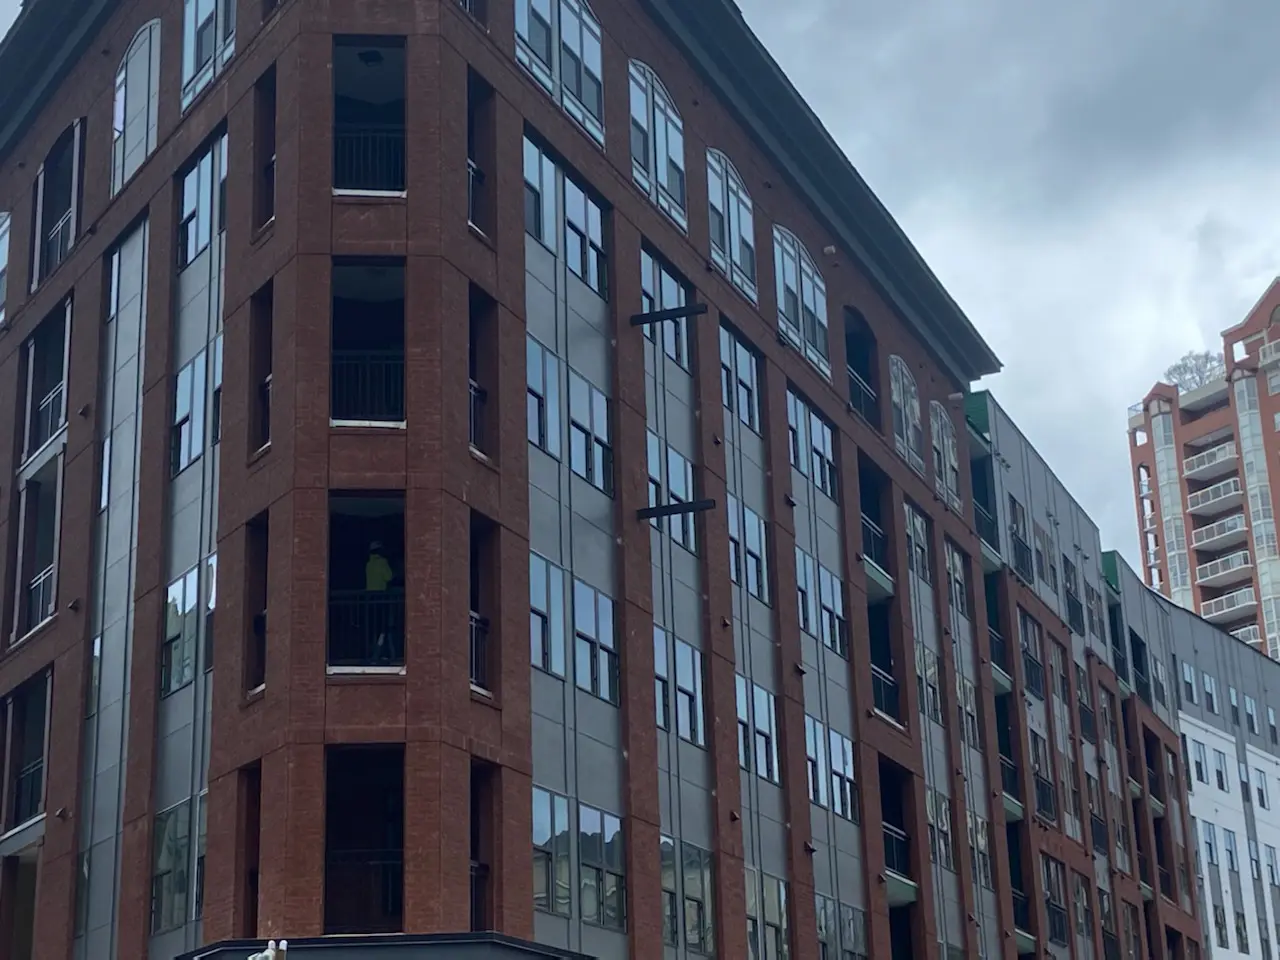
(1221, 534)
(1269, 353)
(1215, 462)
(1219, 498)
(1252, 635)
(1230, 606)
(1233, 568)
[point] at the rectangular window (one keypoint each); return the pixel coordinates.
(657, 144)
(1234, 698)
(551, 878)
(1260, 787)
(601, 864)
(1251, 714)
(844, 789)
(1211, 693)
(182, 615)
(542, 373)
(1220, 771)
(186, 441)
(1271, 724)
(696, 880)
(1210, 843)
(957, 578)
(208, 39)
(815, 749)
(1188, 682)
(195, 228)
(757, 730)
(264, 148)
(540, 204)
(755, 559)
(928, 690)
(202, 834)
(742, 696)
(584, 237)
(1229, 845)
(671, 475)
(582, 93)
(689, 711)
(1200, 761)
(662, 678)
(812, 445)
(170, 867)
(1273, 866)
(919, 550)
(967, 695)
(835, 631)
(807, 592)
(215, 412)
(661, 288)
(595, 655)
(733, 243)
(546, 615)
(739, 379)
(590, 444)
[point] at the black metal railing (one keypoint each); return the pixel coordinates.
(27, 788)
(1009, 780)
(476, 426)
(986, 524)
(875, 545)
(1033, 673)
(368, 157)
(475, 195)
(1110, 946)
(366, 628)
(1144, 869)
(1143, 685)
(1046, 798)
(1021, 911)
(1154, 786)
(999, 651)
(40, 597)
(368, 385)
(1101, 843)
(884, 690)
(863, 399)
(479, 651)
(267, 201)
(897, 851)
(364, 891)
(1088, 724)
(1022, 564)
(47, 418)
(1057, 916)
(1166, 883)
(474, 7)
(1121, 661)
(57, 245)
(480, 919)
(1075, 613)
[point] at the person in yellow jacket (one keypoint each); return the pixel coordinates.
(377, 578)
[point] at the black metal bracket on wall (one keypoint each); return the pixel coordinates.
(662, 316)
(676, 509)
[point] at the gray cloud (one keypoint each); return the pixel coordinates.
(1092, 181)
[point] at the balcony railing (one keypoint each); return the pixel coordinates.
(478, 398)
(1075, 613)
(27, 788)
(1166, 883)
(264, 411)
(1057, 916)
(1046, 798)
(1224, 605)
(1269, 353)
(1144, 869)
(57, 244)
(40, 597)
(1252, 634)
(1021, 911)
(986, 524)
(1121, 661)
(1210, 496)
(47, 418)
(1201, 461)
(366, 628)
(1110, 946)
(369, 157)
(1033, 671)
(863, 399)
(1143, 684)
(1088, 724)
(1009, 780)
(897, 851)
(1154, 784)
(368, 385)
(1215, 531)
(267, 208)
(875, 545)
(1223, 565)
(479, 651)
(884, 690)
(1022, 564)
(475, 186)
(1098, 827)
(999, 651)
(480, 919)
(364, 891)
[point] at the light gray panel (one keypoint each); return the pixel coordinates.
(687, 607)
(603, 944)
(763, 668)
(589, 353)
(184, 539)
(849, 877)
(124, 392)
(684, 567)
(593, 507)
(693, 765)
(549, 768)
(773, 845)
(173, 768)
(101, 858)
(810, 652)
(111, 678)
(544, 518)
(548, 698)
(839, 712)
(752, 492)
(695, 815)
(167, 945)
(177, 711)
(551, 930)
(665, 808)
(599, 775)
(823, 874)
(597, 720)
(116, 592)
(106, 792)
(830, 547)
(586, 304)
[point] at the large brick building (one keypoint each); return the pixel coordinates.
(585, 463)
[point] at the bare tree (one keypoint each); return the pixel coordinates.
(1195, 369)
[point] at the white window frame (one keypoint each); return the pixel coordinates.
(946, 462)
(4, 263)
(148, 36)
(657, 131)
(908, 435)
(197, 76)
(734, 251)
(798, 279)
(571, 27)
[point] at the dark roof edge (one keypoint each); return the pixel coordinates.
(716, 38)
(40, 48)
(242, 948)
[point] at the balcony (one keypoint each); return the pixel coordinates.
(1219, 498)
(368, 386)
(1046, 798)
(1088, 724)
(1075, 613)
(989, 537)
(479, 397)
(480, 919)
(47, 419)
(1252, 635)
(57, 244)
(900, 888)
(1098, 828)
(1142, 683)
(475, 194)
(1057, 917)
(1135, 786)
(1011, 789)
(875, 557)
(480, 652)
(1166, 883)
(1033, 673)
(1230, 606)
(1001, 675)
(884, 689)
(1214, 462)
(1221, 534)
(1232, 568)
(369, 158)
(1269, 353)
(1025, 939)
(366, 628)
(1022, 563)
(1144, 877)
(28, 791)
(863, 399)
(40, 598)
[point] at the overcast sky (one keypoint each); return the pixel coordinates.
(1094, 182)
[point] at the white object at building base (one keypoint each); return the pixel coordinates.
(272, 952)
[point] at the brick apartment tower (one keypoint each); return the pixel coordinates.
(632, 641)
(1205, 480)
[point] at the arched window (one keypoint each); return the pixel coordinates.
(133, 120)
(208, 42)
(558, 42)
(733, 238)
(57, 198)
(946, 461)
(657, 143)
(802, 299)
(907, 437)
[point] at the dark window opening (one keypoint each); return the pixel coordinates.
(264, 147)
(484, 778)
(862, 364)
(366, 580)
(367, 380)
(58, 189)
(895, 787)
(884, 682)
(483, 599)
(481, 152)
(46, 359)
(873, 493)
(261, 332)
(250, 800)
(369, 114)
(364, 839)
(257, 535)
(20, 878)
(482, 370)
(26, 734)
(39, 519)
